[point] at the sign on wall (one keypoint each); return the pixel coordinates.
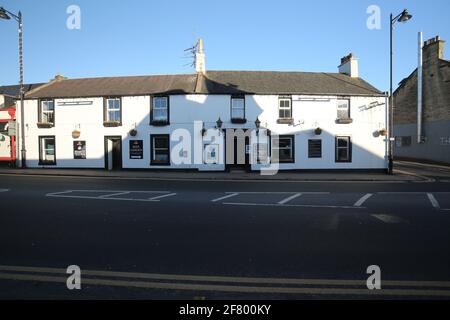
(136, 149)
(79, 149)
(211, 154)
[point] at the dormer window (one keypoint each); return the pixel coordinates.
(46, 115)
(238, 109)
(159, 113)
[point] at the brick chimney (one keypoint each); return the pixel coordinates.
(433, 49)
(200, 65)
(349, 66)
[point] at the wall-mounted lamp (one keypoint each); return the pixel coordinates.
(318, 131)
(257, 125)
(219, 124)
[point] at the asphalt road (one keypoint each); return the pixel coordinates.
(201, 239)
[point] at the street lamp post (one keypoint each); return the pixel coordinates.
(5, 14)
(401, 17)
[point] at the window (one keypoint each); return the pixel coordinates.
(113, 110)
(160, 110)
(160, 149)
(237, 108)
(47, 111)
(47, 153)
(343, 149)
(285, 107)
(283, 148)
(314, 148)
(343, 109)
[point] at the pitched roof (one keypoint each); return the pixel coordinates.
(276, 82)
(213, 82)
(14, 90)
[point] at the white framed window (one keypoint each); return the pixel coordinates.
(160, 109)
(47, 154)
(343, 149)
(113, 110)
(285, 107)
(283, 147)
(343, 109)
(47, 111)
(237, 107)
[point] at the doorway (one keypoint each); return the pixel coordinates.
(113, 152)
(241, 151)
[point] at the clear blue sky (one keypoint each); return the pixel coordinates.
(138, 37)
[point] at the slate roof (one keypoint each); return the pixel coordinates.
(213, 82)
(14, 90)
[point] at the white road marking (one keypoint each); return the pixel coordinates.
(288, 205)
(163, 196)
(286, 200)
(225, 197)
(433, 201)
(386, 218)
(231, 284)
(276, 192)
(114, 194)
(362, 199)
(99, 198)
(4, 190)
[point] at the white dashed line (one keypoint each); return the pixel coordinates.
(433, 200)
(162, 196)
(386, 218)
(362, 200)
(290, 198)
(4, 190)
(288, 205)
(225, 197)
(114, 194)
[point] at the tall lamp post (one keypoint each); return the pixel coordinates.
(401, 17)
(5, 14)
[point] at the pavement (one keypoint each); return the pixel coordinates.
(404, 172)
(212, 239)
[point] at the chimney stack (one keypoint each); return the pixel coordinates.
(433, 49)
(200, 65)
(349, 66)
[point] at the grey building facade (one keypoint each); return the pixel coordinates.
(434, 143)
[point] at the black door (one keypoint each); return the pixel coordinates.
(241, 152)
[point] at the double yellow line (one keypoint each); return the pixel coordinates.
(230, 284)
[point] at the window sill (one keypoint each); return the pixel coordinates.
(43, 125)
(344, 121)
(285, 121)
(47, 163)
(111, 124)
(159, 123)
(238, 120)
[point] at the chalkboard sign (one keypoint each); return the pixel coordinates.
(79, 149)
(136, 149)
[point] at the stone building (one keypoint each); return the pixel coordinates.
(434, 143)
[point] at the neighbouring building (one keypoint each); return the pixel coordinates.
(294, 120)
(8, 96)
(433, 144)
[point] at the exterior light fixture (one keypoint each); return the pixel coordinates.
(404, 16)
(257, 123)
(318, 131)
(3, 14)
(219, 123)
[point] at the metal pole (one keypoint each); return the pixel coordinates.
(22, 93)
(391, 104)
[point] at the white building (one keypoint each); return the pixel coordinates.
(314, 121)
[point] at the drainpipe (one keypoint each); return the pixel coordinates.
(419, 91)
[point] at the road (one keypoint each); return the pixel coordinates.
(210, 239)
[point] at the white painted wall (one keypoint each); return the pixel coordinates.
(368, 150)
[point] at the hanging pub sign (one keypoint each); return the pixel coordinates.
(79, 149)
(136, 149)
